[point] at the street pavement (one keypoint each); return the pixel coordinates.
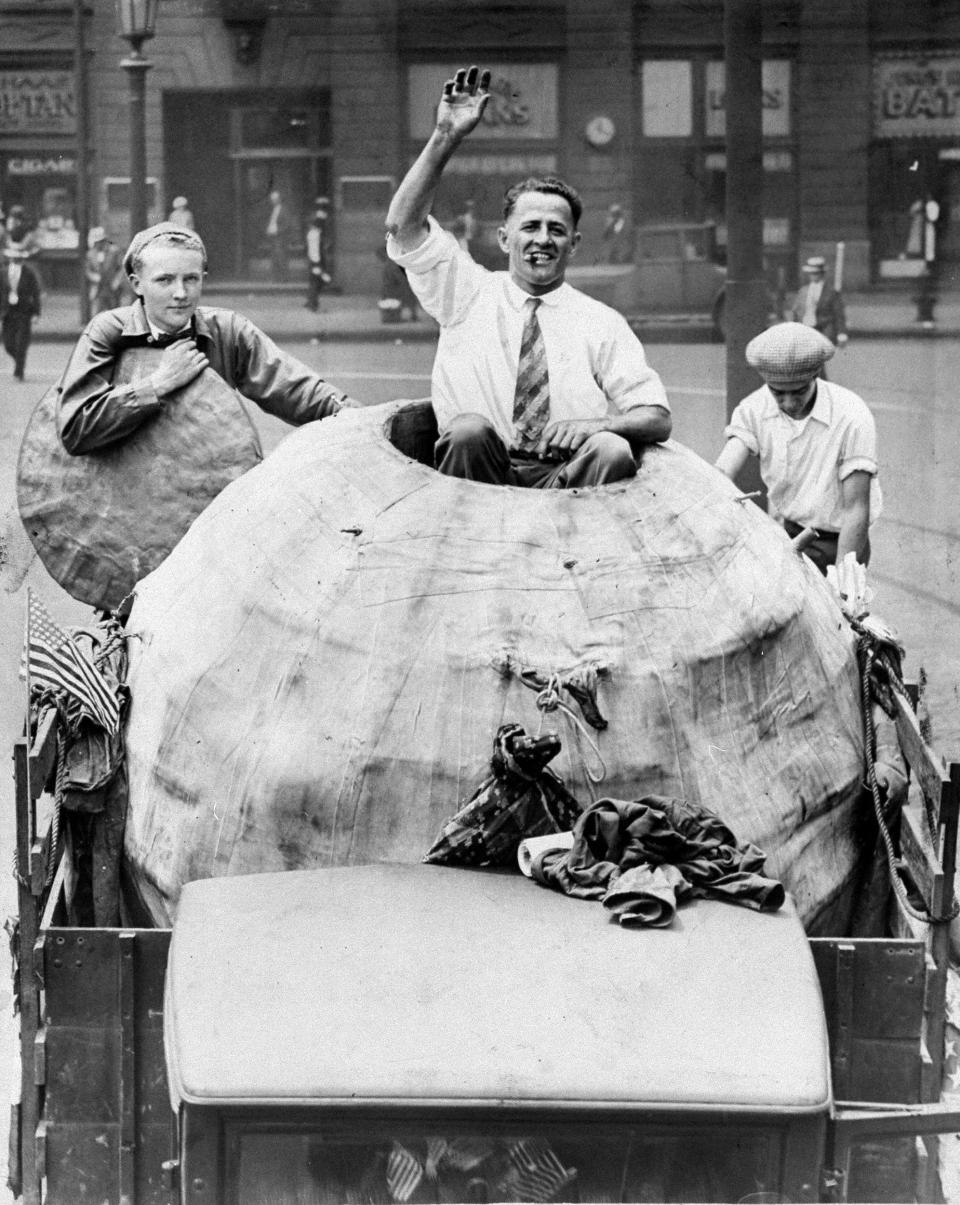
(283, 315)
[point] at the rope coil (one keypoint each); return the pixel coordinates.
(549, 699)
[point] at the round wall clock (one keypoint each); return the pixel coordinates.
(600, 131)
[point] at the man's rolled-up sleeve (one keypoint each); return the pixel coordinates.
(859, 449)
(91, 413)
(443, 276)
(742, 427)
(624, 373)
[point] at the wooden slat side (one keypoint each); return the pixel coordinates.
(27, 985)
(922, 861)
(903, 925)
(927, 766)
(43, 751)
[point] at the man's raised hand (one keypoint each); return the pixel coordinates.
(462, 103)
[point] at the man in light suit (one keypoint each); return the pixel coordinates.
(277, 233)
(818, 304)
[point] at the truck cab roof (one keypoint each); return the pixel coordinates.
(424, 985)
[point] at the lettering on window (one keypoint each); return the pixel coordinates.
(523, 104)
(37, 102)
(916, 96)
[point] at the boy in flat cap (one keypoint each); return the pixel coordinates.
(166, 265)
(816, 442)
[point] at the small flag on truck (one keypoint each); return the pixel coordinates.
(52, 658)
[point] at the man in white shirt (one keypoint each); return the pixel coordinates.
(816, 442)
(534, 383)
(277, 232)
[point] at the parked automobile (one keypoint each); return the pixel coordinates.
(677, 271)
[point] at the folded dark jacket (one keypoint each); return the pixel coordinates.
(618, 844)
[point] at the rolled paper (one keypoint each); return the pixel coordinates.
(532, 847)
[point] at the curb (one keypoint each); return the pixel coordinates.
(649, 328)
(646, 332)
(375, 334)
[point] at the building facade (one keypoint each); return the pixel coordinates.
(308, 98)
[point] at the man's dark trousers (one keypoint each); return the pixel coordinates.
(470, 448)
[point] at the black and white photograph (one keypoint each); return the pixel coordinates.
(479, 601)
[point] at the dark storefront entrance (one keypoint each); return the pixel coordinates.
(914, 158)
(228, 150)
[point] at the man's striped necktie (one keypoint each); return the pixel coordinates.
(531, 403)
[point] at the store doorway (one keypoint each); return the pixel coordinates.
(226, 151)
(298, 181)
(948, 249)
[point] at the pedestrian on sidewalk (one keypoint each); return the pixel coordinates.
(317, 252)
(816, 442)
(180, 214)
(18, 233)
(819, 304)
(617, 237)
(277, 232)
(104, 271)
(20, 294)
(165, 265)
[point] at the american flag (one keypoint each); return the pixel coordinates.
(538, 1175)
(404, 1173)
(55, 660)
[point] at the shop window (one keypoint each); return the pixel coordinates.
(274, 128)
(902, 175)
(281, 127)
(778, 195)
(523, 104)
(45, 185)
(775, 82)
(116, 193)
(366, 193)
(667, 86)
(55, 226)
(682, 159)
(668, 185)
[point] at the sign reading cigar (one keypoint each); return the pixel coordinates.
(916, 95)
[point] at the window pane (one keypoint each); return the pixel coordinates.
(667, 98)
(301, 126)
(563, 1162)
(668, 184)
(776, 98)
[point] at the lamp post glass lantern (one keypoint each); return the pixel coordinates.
(136, 22)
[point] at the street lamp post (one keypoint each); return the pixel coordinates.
(136, 21)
